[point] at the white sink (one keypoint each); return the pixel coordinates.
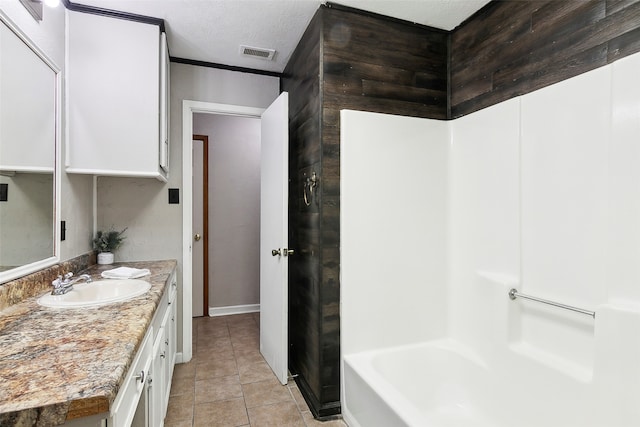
(97, 293)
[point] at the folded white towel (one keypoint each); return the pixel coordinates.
(125, 273)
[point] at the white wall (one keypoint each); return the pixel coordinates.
(393, 221)
(234, 208)
(154, 226)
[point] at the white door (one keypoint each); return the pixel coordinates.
(274, 253)
(198, 229)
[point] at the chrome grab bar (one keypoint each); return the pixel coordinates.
(513, 294)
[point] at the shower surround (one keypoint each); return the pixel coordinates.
(539, 193)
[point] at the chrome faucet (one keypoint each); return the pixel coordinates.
(64, 284)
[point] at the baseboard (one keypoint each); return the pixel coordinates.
(322, 411)
(234, 309)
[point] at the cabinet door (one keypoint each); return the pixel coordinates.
(113, 81)
(164, 103)
(156, 409)
(167, 359)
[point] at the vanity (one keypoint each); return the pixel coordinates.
(110, 365)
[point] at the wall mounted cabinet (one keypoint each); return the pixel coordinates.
(117, 97)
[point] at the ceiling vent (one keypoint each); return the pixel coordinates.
(258, 52)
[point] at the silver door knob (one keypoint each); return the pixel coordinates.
(275, 252)
(197, 237)
(287, 252)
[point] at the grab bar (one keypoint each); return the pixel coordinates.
(513, 294)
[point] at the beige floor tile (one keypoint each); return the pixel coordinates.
(172, 423)
(182, 386)
(255, 372)
(215, 367)
(220, 388)
(240, 318)
(245, 343)
(180, 410)
(214, 346)
(226, 413)
(228, 375)
(283, 414)
(207, 354)
(184, 370)
(248, 357)
(312, 422)
(243, 329)
(297, 397)
(214, 330)
(265, 393)
(208, 321)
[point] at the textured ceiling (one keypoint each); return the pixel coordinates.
(213, 30)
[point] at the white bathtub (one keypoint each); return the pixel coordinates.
(443, 383)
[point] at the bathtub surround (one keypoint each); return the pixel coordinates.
(539, 193)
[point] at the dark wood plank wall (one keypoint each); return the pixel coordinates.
(344, 60)
(302, 81)
(510, 48)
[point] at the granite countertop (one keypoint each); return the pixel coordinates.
(58, 364)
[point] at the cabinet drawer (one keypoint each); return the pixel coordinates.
(124, 406)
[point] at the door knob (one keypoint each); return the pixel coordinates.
(275, 252)
(287, 252)
(197, 237)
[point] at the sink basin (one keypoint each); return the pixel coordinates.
(99, 292)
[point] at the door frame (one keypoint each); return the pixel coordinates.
(205, 222)
(189, 108)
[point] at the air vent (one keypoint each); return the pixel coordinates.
(258, 52)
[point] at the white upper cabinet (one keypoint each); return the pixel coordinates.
(116, 97)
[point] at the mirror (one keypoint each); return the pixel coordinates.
(29, 153)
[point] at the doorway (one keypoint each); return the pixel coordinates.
(273, 315)
(200, 185)
(189, 108)
(233, 219)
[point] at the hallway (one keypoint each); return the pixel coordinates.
(228, 383)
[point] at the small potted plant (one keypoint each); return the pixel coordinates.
(106, 242)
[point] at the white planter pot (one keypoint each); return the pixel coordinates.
(105, 258)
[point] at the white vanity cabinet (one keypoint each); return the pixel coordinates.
(117, 97)
(142, 400)
(164, 356)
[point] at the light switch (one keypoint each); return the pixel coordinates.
(174, 196)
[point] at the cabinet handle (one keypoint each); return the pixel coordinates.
(140, 377)
(166, 342)
(162, 355)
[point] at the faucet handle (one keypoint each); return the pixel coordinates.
(68, 275)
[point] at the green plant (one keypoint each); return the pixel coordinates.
(108, 241)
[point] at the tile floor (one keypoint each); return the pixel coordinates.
(228, 383)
